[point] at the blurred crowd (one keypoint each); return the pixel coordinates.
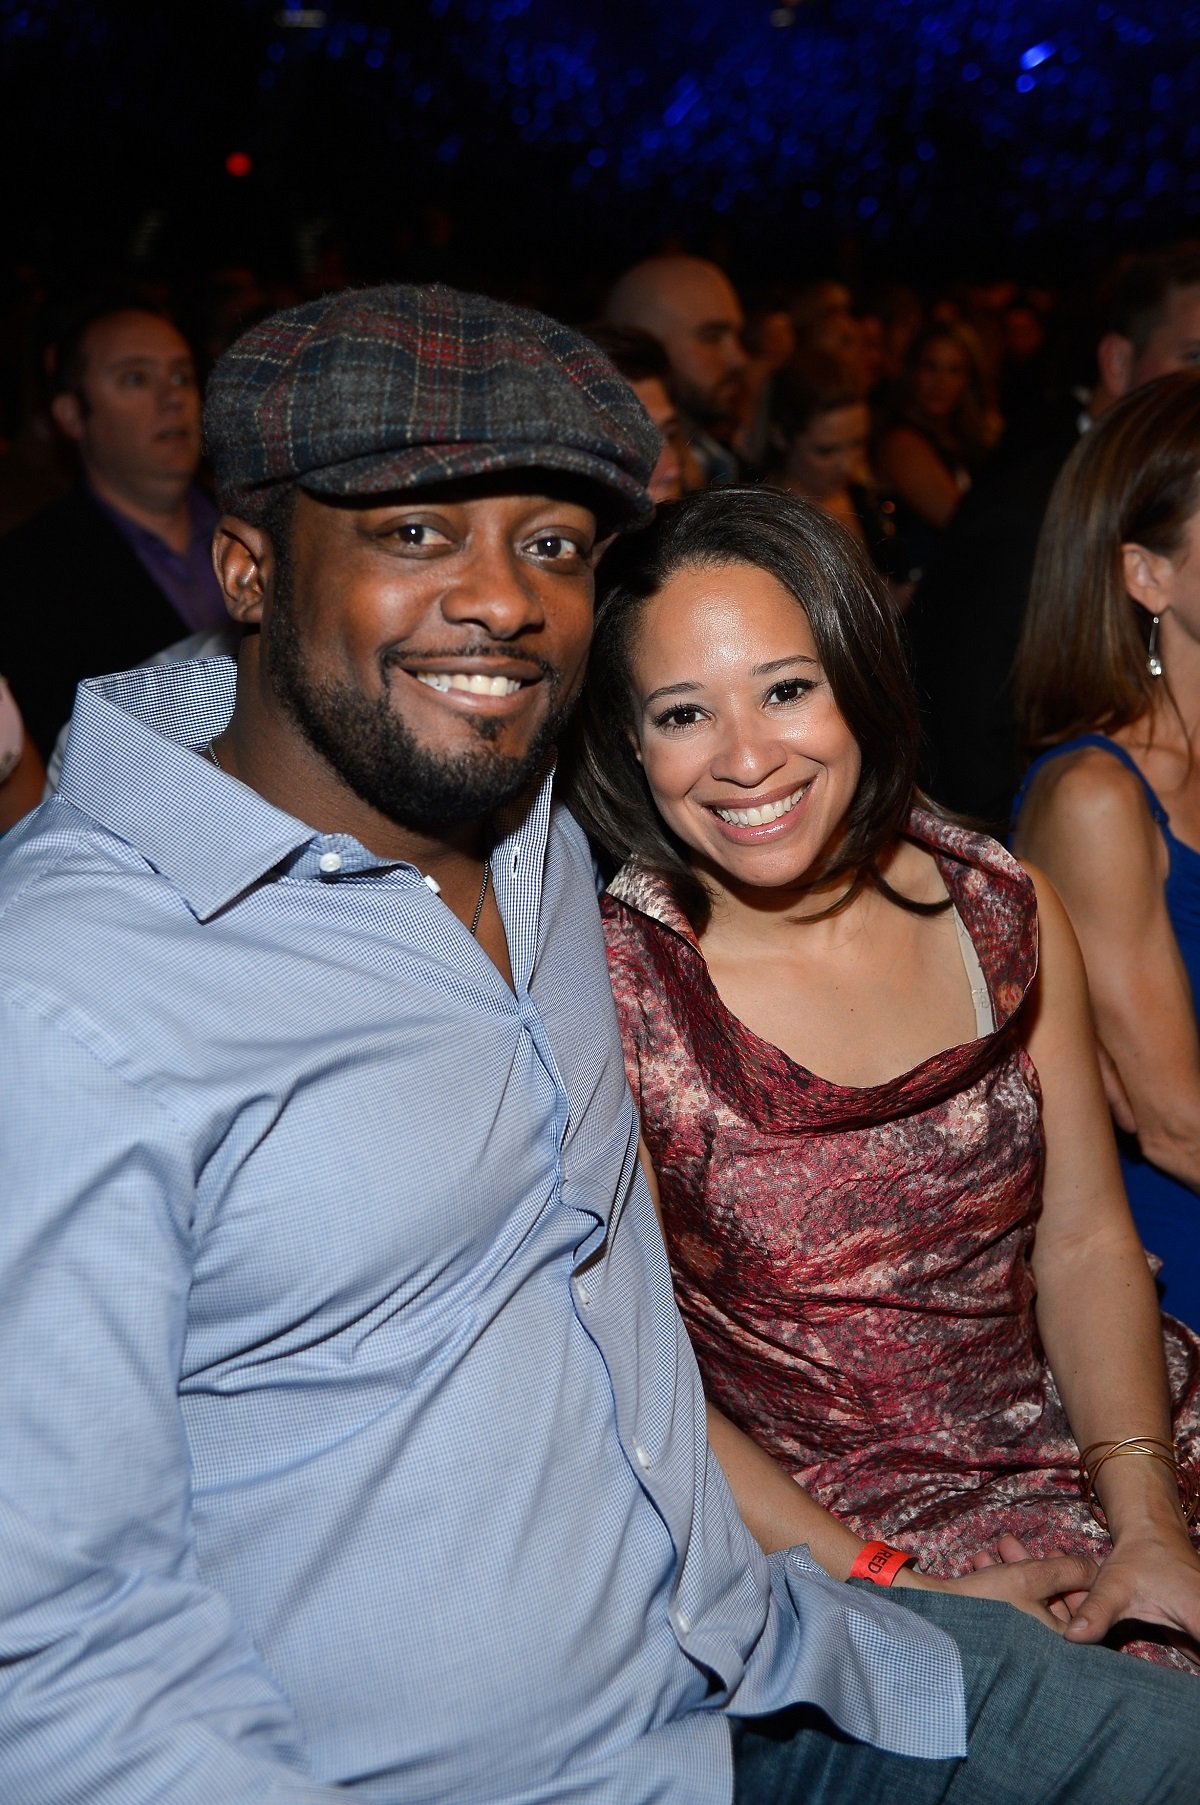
(930, 426)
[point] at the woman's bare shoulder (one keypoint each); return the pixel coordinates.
(1089, 788)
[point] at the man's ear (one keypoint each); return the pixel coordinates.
(1148, 578)
(67, 415)
(243, 558)
(1114, 360)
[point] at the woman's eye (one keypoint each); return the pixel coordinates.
(791, 689)
(683, 714)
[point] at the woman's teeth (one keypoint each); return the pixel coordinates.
(474, 686)
(758, 817)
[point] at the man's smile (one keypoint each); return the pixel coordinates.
(473, 685)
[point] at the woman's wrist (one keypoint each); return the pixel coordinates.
(1135, 1481)
(1136, 1485)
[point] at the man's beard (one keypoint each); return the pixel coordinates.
(371, 748)
(711, 409)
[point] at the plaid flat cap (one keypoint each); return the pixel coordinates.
(377, 389)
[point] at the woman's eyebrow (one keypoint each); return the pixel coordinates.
(671, 689)
(779, 664)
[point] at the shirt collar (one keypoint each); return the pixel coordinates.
(131, 764)
(135, 763)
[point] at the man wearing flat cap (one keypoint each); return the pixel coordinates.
(350, 1443)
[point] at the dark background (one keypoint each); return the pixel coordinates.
(539, 145)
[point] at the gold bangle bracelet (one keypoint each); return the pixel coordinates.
(1152, 1449)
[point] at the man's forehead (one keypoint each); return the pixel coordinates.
(703, 293)
(132, 335)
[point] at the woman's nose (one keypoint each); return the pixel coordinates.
(747, 755)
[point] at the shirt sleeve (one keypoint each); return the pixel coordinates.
(123, 1678)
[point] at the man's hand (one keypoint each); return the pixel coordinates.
(1047, 1590)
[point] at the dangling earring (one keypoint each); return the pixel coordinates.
(1154, 663)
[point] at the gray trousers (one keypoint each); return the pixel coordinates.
(1048, 1720)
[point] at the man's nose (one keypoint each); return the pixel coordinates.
(494, 589)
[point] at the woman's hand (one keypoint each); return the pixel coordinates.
(1151, 1578)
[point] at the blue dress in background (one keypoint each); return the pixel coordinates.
(1167, 1212)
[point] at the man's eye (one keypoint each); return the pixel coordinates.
(555, 547)
(132, 379)
(417, 533)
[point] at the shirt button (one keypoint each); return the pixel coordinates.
(683, 1622)
(641, 1456)
(582, 1293)
(330, 862)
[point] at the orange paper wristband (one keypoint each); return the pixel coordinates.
(879, 1562)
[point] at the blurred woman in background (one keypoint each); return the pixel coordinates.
(819, 436)
(938, 429)
(1108, 701)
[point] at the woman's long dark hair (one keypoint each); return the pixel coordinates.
(855, 627)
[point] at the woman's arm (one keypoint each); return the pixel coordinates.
(1096, 1307)
(1075, 823)
(781, 1514)
(909, 466)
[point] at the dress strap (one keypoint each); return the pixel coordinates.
(1104, 744)
(985, 1015)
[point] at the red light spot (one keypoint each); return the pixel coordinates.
(238, 163)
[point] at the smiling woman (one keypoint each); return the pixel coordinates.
(859, 1039)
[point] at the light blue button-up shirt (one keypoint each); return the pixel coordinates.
(349, 1437)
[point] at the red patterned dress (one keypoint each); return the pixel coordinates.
(853, 1265)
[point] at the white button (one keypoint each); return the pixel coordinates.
(683, 1622)
(433, 884)
(330, 861)
(582, 1293)
(641, 1456)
